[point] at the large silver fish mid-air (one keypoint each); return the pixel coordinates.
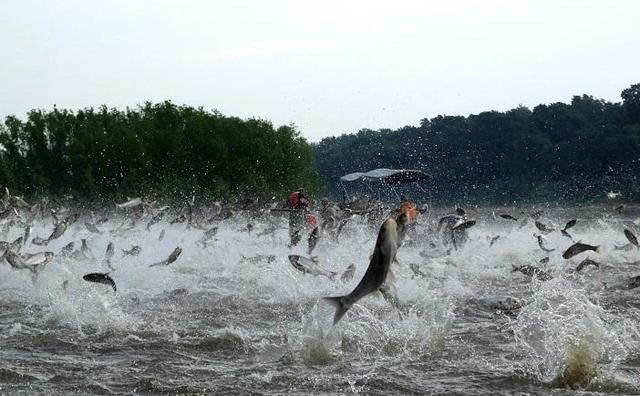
(376, 275)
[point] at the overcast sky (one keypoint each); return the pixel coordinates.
(329, 67)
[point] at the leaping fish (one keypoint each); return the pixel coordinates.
(569, 224)
(102, 278)
(134, 251)
(108, 254)
(543, 228)
(627, 284)
(208, 234)
(27, 233)
(33, 262)
(586, 262)
(416, 271)
(59, 229)
(92, 228)
(531, 270)
(464, 225)
(375, 277)
(132, 203)
(309, 266)
(157, 217)
(68, 248)
(172, 257)
(313, 239)
(631, 238)
(39, 241)
(541, 244)
(578, 248)
(625, 247)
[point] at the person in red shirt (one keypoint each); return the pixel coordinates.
(298, 204)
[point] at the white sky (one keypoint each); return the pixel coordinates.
(330, 67)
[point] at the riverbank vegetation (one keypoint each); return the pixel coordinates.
(156, 150)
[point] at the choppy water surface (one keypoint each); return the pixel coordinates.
(213, 322)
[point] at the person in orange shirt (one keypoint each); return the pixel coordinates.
(409, 208)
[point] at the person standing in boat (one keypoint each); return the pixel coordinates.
(298, 204)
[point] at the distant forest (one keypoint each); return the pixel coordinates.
(552, 153)
(156, 150)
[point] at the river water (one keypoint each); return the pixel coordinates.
(215, 322)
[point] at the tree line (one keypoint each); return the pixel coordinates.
(552, 153)
(157, 150)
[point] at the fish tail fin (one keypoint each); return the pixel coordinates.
(598, 249)
(341, 307)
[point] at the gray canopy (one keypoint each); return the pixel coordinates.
(387, 176)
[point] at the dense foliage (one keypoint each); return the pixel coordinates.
(160, 150)
(553, 153)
